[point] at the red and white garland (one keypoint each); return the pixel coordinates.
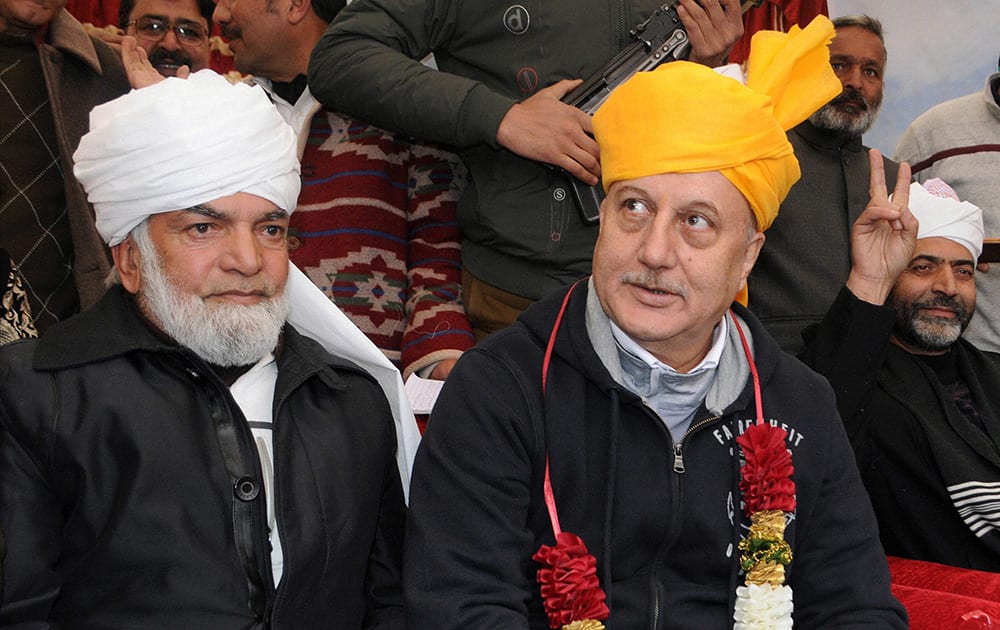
(768, 493)
(765, 601)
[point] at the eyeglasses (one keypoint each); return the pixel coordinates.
(154, 29)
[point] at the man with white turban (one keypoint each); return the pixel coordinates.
(615, 415)
(182, 455)
(920, 403)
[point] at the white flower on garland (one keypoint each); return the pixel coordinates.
(762, 606)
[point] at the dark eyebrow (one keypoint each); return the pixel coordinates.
(274, 215)
(937, 260)
(205, 211)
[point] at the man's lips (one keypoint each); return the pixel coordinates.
(653, 295)
(240, 297)
(859, 106)
(940, 311)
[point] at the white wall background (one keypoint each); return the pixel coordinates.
(938, 50)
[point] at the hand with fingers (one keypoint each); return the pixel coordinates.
(713, 26)
(139, 71)
(884, 236)
(544, 129)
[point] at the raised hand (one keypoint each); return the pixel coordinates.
(884, 236)
(544, 129)
(139, 71)
(713, 26)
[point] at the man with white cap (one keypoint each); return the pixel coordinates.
(921, 404)
(179, 456)
(644, 416)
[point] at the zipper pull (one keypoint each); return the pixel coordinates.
(678, 458)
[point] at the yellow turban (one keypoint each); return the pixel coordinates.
(686, 118)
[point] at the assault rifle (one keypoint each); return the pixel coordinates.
(658, 39)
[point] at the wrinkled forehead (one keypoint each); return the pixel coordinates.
(858, 44)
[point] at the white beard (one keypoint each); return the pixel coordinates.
(222, 334)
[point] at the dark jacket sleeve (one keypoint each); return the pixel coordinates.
(840, 577)
(848, 347)
(468, 546)
(30, 514)
(367, 64)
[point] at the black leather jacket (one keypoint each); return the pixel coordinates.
(130, 488)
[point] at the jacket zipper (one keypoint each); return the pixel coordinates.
(678, 452)
(679, 446)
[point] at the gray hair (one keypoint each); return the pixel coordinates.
(140, 231)
(867, 22)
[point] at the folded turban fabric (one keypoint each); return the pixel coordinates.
(686, 118)
(179, 143)
(942, 214)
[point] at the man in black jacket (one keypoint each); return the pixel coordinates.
(920, 403)
(619, 415)
(180, 456)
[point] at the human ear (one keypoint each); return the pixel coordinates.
(128, 261)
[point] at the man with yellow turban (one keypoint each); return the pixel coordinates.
(183, 455)
(637, 450)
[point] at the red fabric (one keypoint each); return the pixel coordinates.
(941, 597)
(941, 577)
(375, 230)
(775, 15)
(97, 12)
(938, 610)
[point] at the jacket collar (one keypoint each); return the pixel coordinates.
(69, 36)
(577, 347)
(112, 328)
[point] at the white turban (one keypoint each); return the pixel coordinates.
(941, 214)
(179, 143)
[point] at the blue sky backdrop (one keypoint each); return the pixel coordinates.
(937, 51)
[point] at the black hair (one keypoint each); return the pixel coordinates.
(205, 7)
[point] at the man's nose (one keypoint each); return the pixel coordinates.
(850, 76)
(241, 253)
(221, 14)
(170, 41)
(658, 248)
(944, 281)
